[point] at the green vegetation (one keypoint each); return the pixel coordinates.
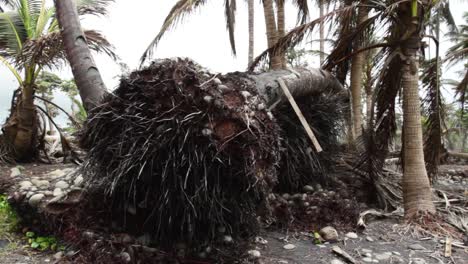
(8, 218)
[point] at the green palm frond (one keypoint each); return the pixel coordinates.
(178, 12)
(303, 14)
(48, 50)
(458, 52)
(12, 34)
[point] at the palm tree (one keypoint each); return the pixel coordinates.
(30, 41)
(87, 76)
(398, 65)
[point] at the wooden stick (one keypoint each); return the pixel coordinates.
(299, 114)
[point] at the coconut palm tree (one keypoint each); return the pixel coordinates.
(399, 71)
(29, 42)
(251, 10)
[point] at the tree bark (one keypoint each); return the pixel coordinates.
(272, 33)
(251, 30)
(87, 76)
(417, 194)
(281, 29)
(322, 33)
(357, 67)
(20, 129)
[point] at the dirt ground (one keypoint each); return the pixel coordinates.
(383, 241)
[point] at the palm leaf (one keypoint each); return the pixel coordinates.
(303, 8)
(12, 34)
(93, 7)
(178, 12)
(230, 7)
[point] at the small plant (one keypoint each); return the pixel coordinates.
(42, 243)
(8, 218)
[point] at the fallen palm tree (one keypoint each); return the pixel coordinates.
(184, 155)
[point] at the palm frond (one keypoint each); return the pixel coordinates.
(12, 34)
(178, 12)
(93, 7)
(433, 110)
(230, 7)
(296, 35)
(48, 50)
(303, 8)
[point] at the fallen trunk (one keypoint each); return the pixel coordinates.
(181, 154)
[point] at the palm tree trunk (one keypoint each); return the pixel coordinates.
(87, 76)
(251, 30)
(322, 33)
(272, 32)
(417, 194)
(357, 67)
(281, 29)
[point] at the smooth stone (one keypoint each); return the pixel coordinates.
(384, 256)
(57, 173)
(29, 194)
(26, 184)
(78, 180)
(15, 172)
(416, 247)
(351, 235)
(58, 255)
(289, 246)
(57, 192)
(35, 199)
(61, 185)
(48, 193)
(336, 261)
(254, 253)
(367, 260)
(329, 233)
(40, 183)
(217, 81)
(370, 239)
(365, 250)
(396, 253)
(33, 189)
(369, 255)
(228, 239)
(308, 188)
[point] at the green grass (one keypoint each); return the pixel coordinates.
(8, 218)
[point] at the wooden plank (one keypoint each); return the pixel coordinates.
(299, 114)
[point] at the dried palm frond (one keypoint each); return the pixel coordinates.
(434, 112)
(230, 7)
(93, 7)
(303, 8)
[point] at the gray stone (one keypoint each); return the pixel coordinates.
(416, 247)
(57, 192)
(217, 81)
(125, 257)
(58, 255)
(144, 239)
(286, 196)
(254, 254)
(365, 250)
(48, 193)
(40, 183)
(29, 194)
(370, 239)
(33, 189)
(383, 256)
(57, 174)
(15, 172)
(289, 246)
(228, 239)
(308, 189)
(35, 199)
(396, 253)
(367, 260)
(25, 185)
(351, 235)
(61, 185)
(336, 261)
(369, 255)
(329, 233)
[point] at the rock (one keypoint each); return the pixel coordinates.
(15, 172)
(246, 94)
(144, 239)
(40, 183)
(35, 199)
(286, 196)
(336, 261)
(367, 260)
(308, 189)
(416, 247)
(383, 256)
(289, 246)
(254, 254)
(57, 192)
(78, 180)
(365, 250)
(58, 255)
(329, 233)
(125, 257)
(33, 189)
(48, 193)
(57, 174)
(228, 239)
(223, 87)
(217, 81)
(370, 239)
(369, 255)
(61, 185)
(351, 235)
(29, 194)
(25, 184)
(396, 253)
(208, 250)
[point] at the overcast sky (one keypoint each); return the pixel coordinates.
(132, 24)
